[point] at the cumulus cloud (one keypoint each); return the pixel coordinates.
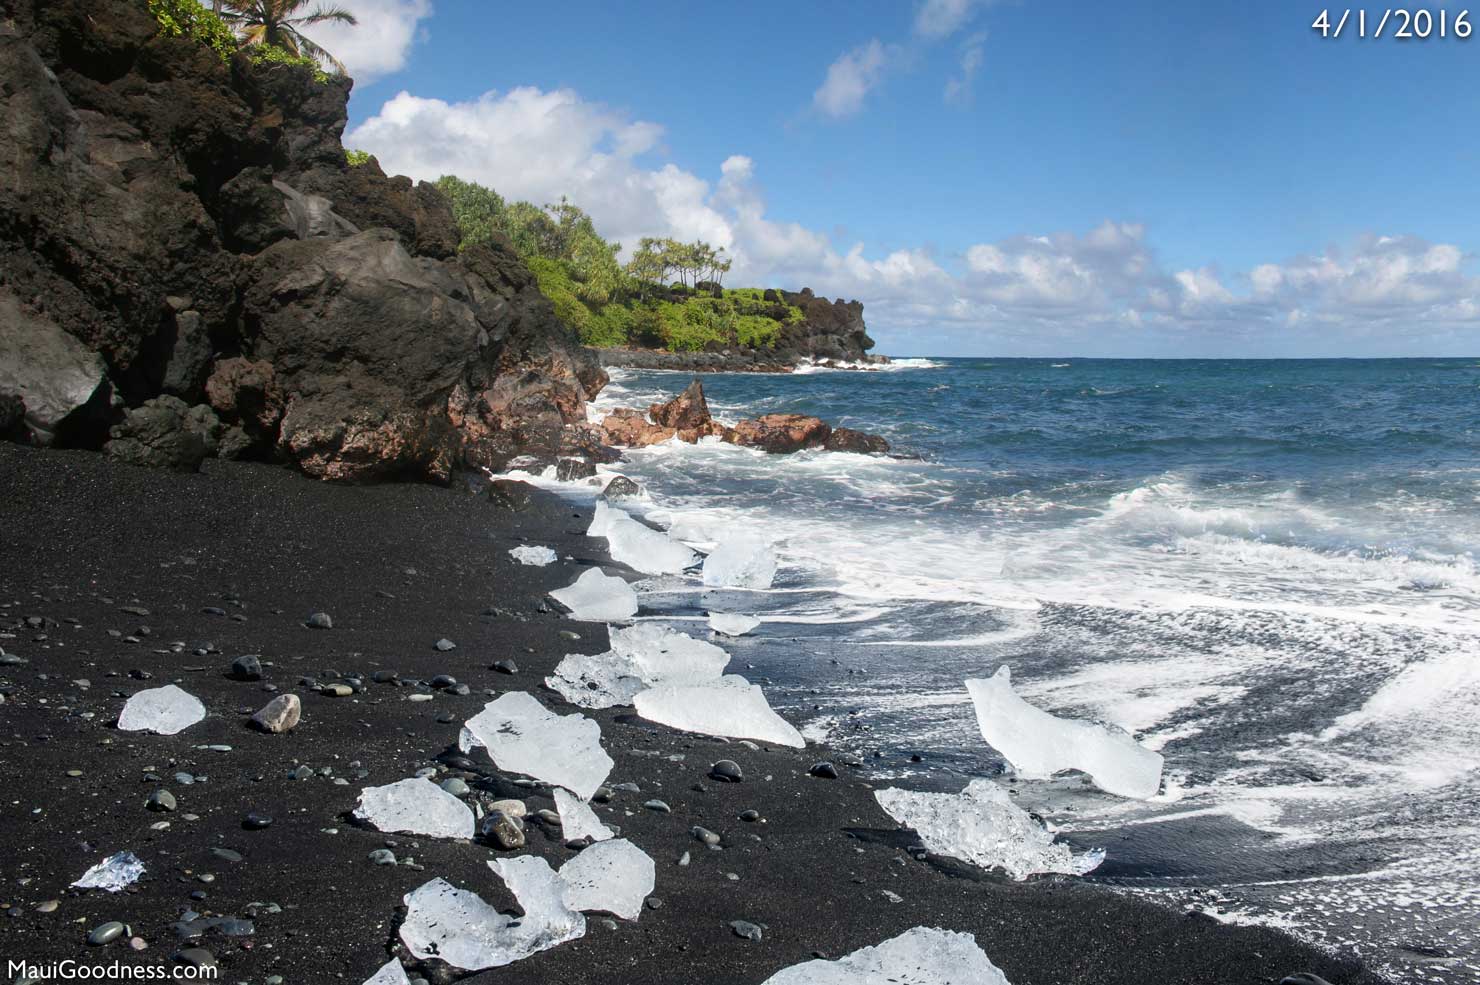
(850, 78)
(937, 19)
(1063, 289)
(380, 43)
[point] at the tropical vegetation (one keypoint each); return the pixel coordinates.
(668, 294)
(270, 30)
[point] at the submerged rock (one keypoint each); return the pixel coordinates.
(860, 442)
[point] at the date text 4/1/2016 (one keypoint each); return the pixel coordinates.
(1394, 22)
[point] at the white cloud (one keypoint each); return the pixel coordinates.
(850, 78)
(379, 44)
(959, 87)
(1063, 290)
(937, 19)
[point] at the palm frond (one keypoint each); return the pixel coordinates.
(317, 53)
(323, 14)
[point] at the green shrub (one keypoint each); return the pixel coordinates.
(188, 19)
(271, 54)
(356, 157)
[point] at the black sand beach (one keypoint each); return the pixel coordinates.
(82, 541)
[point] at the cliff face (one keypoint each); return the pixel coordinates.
(181, 231)
(831, 329)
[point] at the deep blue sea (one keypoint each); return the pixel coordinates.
(1264, 569)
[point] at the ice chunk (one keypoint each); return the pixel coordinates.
(598, 597)
(530, 554)
(415, 807)
(577, 819)
(1038, 744)
(523, 736)
(732, 623)
(165, 710)
(113, 873)
(640, 657)
(609, 877)
(390, 973)
(741, 563)
(731, 707)
(601, 518)
(982, 825)
(922, 956)
(642, 548)
(458, 927)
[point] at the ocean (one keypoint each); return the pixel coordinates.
(1266, 570)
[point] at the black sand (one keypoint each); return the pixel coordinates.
(80, 538)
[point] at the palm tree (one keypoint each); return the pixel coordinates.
(277, 23)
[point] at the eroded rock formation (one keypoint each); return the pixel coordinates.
(172, 224)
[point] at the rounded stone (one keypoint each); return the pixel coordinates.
(726, 771)
(824, 770)
(660, 806)
(319, 620)
(750, 816)
(502, 830)
(106, 933)
(455, 786)
(279, 715)
(705, 835)
(247, 668)
(256, 821)
(161, 800)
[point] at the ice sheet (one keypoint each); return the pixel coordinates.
(415, 806)
(598, 597)
(731, 707)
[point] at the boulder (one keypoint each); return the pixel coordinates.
(687, 414)
(573, 469)
(847, 439)
(162, 433)
(313, 216)
(61, 383)
(12, 418)
(587, 441)
(780, 434)
(625, 426)
(620, 487)
(247, 395)
(510, 494)
(189, 354)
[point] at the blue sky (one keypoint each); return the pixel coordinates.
(1009, 178)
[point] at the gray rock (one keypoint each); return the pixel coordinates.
(256, 821)
(620, 487)
(455, 786)
(443, 645)
(319, 620)
(657, 805)
(726, 771)
(502, 830)
(705, 835)
(194, 957)
(573, 469)
(746, 929)
(161, 800)
(159, 434)
(62, 385)
(279, 715)
(313, 216)
(106, 933)
(506, 666)
(750, 816)
(383, 856)
(247, 668)
(824, 770)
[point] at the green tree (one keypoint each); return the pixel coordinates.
(277, 24)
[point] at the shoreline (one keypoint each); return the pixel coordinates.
(726, 361)
(399, 567)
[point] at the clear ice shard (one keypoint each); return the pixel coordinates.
(745, 562)
(458, 927)
(731, 707)
(577, 819)
(732, 623)
(416, 807)
(113, 873)
(390, 973)
(165, 710)
(609, 877)
(532, 555)
(1039, 745)
(922, 956)
(598, 597)
(640, 657)
(982, 825)
(601, 518)
(639, 546)
(523, 736)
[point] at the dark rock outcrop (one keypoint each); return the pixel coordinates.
(829, 329)
(175, 224)
(780, 434)
(164, 433)
(687, 418)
